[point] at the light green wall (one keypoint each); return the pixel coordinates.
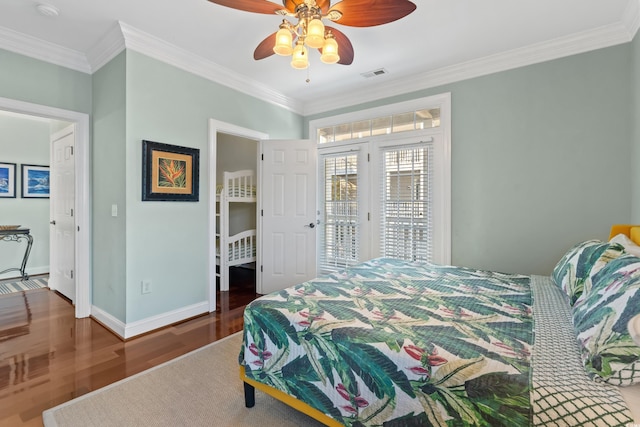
(540, 159)
(166, 242)
(109, 188)
(24, 141)
(29, 80)
(635, 119)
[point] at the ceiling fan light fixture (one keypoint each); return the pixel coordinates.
(315, 34)
(300, 57)
(330, 50)
(284, 41)
(303, 25)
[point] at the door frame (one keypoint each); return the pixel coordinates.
(215, 127)
(82, 192)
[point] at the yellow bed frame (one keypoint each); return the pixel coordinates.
(249, 400)
(631, 231)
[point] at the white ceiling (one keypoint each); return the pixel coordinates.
(442, 41)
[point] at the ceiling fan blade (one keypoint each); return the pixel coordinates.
(257, 6)
(291, 5)
(345, 48)
(265, 48)
(324, 5)
(369, 13)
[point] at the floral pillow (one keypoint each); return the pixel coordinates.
(574, 271)
(601, 317)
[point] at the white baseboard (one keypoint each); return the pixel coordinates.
(129, 330)
(115, 325)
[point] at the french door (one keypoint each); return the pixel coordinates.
(377, 198)
(343, 206)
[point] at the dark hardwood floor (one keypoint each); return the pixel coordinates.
(48, 357)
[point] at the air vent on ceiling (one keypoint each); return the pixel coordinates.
(374, 73)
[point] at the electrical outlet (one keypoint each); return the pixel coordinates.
(146, 286)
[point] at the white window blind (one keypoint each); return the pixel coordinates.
(406, 202)
(340, 228)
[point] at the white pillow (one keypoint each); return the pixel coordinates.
(628, 244)
(634, 329)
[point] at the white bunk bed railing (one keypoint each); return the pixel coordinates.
(242, 248)
(238, 187)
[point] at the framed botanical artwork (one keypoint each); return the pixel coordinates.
(7, 180)
(169, 172)
(35, 182)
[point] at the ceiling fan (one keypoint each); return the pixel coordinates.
(309, 31)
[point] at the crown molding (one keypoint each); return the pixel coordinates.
(43, 50)
(159, 49)
(110, 45)
(606, 36)
(631, 18)
(123, 36)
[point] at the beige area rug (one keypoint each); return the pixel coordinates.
(12, 286)
(201, 388)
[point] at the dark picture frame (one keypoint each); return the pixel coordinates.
(170, 172)
(7, 180)
(36, 181)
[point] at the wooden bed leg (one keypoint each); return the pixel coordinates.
(249, 395)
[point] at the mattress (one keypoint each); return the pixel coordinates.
(402, 343)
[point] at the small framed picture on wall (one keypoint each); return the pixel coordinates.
(35, 182)
(7, 180)
(169, 172)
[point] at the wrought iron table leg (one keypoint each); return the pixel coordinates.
(16, 236)
(23, 267)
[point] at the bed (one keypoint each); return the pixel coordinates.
(397, 343)
(239, 248)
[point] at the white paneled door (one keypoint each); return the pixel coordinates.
(289, 217)
(62, 258)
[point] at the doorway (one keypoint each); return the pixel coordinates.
(236, 216)
(221, 133)
(81, 228)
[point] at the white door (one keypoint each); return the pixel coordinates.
(62, 235)
(289, 217)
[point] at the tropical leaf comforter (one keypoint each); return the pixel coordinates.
(401, 344)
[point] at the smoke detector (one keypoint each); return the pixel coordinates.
(47, 10)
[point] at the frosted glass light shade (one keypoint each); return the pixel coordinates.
(284, 39)
(330, 51)
(315, 34)
(300, 58)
